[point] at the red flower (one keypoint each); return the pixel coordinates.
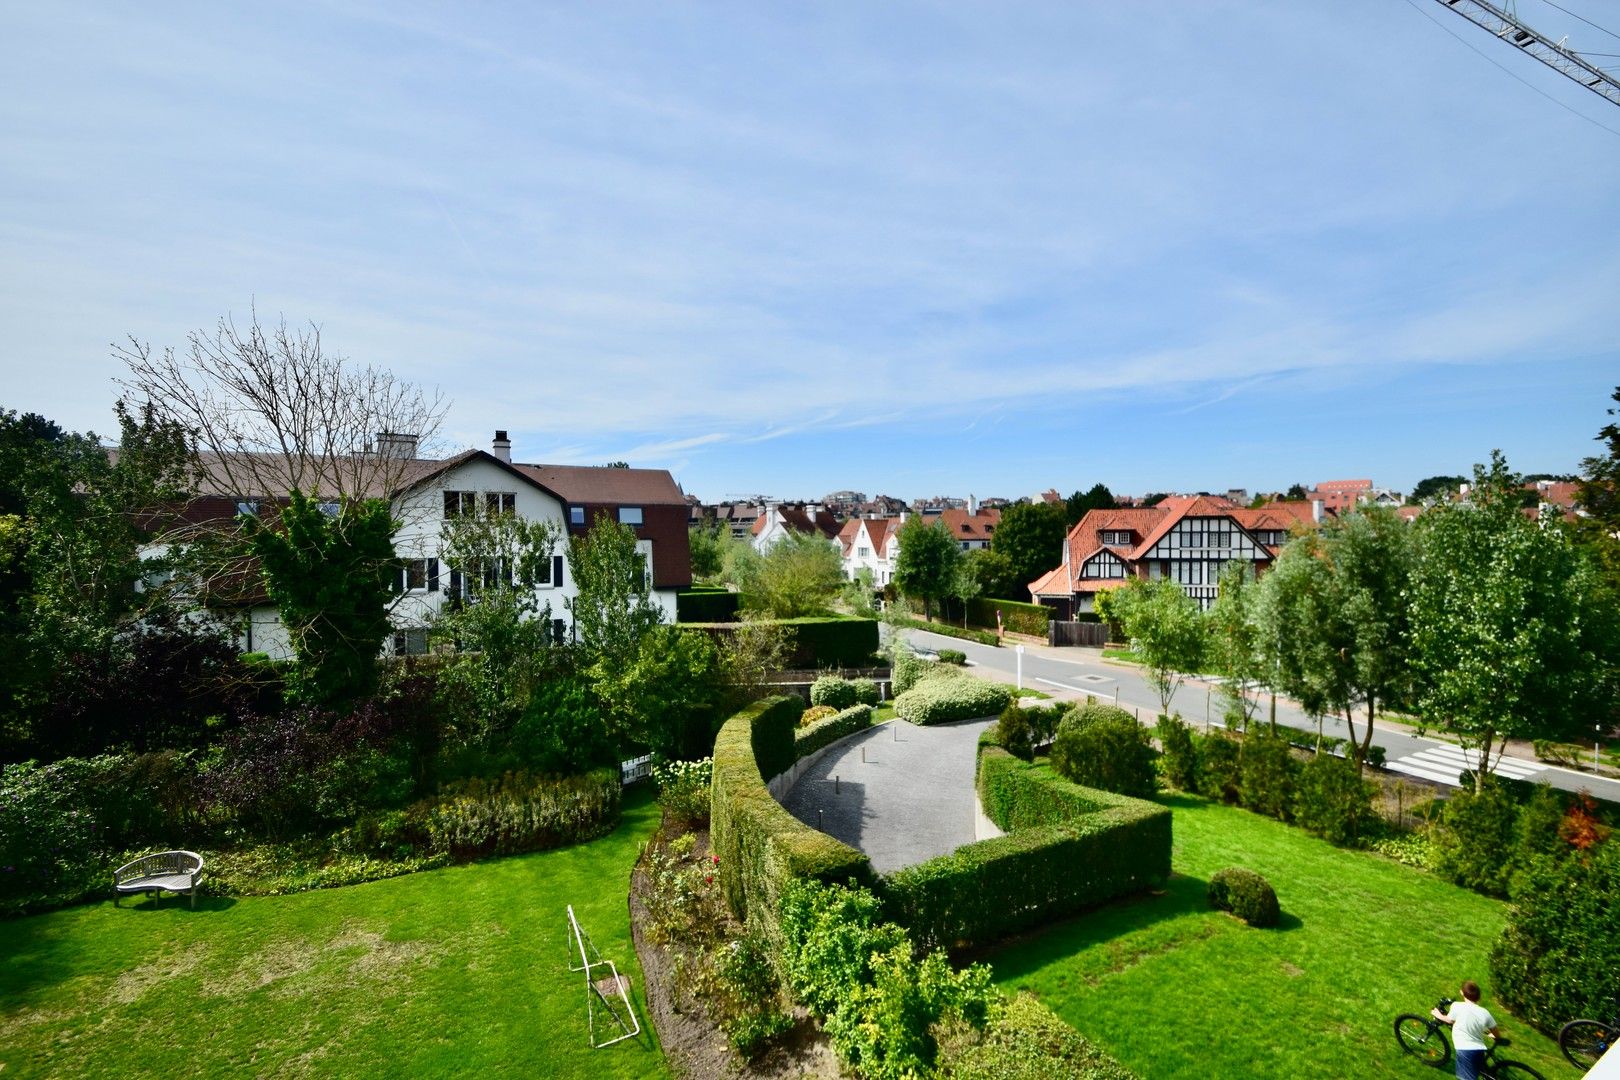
(716, 859)
(708, 879)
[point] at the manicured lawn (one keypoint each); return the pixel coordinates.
(1175, 990)
(461, 970)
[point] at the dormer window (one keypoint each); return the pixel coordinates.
(1116, 536)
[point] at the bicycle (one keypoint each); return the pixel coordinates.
(1425, 1038)
(1584, 1041)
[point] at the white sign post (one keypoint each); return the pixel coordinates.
(1019, 649)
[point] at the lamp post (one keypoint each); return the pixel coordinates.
(1019, 649)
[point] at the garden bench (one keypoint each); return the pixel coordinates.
(167, 871)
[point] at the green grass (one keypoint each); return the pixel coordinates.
(453, 971)
(1127, 656)
(1174, 989)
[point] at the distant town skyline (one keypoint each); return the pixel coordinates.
(911, 249)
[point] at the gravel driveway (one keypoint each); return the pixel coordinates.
(908, 801)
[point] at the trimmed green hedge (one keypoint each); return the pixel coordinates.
(1017, 617)
(982, 637)
(936, 700)
(824, 642)
(760, 845)
(1066, 848)
(706, 606)
(807, 740)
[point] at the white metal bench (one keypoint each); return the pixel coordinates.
(167, 871)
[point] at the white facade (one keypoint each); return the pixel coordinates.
(427, 581)
(876, 554)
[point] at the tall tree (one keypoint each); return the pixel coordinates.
(1435, 489)
(332, 579)
(1081, 503)
(707, 542)
(926, 566)
(1599, 530)
(1166, 631)
(1234, 638)
(1513, 633)
(1031, 537)
(1300, 630)
(800, 575)
(613, 612)
(995, 575)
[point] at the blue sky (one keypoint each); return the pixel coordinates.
(787, 248)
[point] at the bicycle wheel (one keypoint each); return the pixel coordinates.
(1584, 1041)
(1423, 1039)
(1512, 1070)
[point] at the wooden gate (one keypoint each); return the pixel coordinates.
(1094, 634)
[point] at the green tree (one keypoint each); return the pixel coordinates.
(1235, 638)
(708, 543)
(1513, 632)
(1599, 530)
(800, 575)
(331, 577)
(995, 575)
(503, 632)
(668, 700)
(1166, 630)
(1030, 537)
(1435, 489)
(1081, 503)
(1302, 630)
(1371, 554)
(613, 612)
(927, 564)
(964, 585)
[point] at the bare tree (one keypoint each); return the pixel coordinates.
(271, 411)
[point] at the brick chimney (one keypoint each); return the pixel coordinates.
(502, 447)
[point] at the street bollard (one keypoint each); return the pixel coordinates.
(835, 784)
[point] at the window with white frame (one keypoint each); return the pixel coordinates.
(500, 502)
(419, 575)
(413, 642)
(460, 502)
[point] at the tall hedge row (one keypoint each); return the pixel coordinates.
(1066, 848)
(817, 642)
(807, 740)
(706, 606)
(1020, 618)
(761, 846)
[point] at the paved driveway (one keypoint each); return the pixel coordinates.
(908, 801)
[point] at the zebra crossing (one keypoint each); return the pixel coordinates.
(1443, 763)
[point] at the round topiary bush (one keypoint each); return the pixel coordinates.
(953, 656)
(1245, 894)
(832, 690)
(866, 691)
(1102, 746)
(814, 713)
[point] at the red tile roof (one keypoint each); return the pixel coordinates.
(965, 526)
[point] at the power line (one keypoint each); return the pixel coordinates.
(1585, 20)
(1490, 60)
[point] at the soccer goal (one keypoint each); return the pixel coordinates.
(607, 993)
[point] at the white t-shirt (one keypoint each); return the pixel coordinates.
(1469, 1023)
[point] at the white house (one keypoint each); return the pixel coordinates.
(778, 520)
(870, 544)
(428, 492)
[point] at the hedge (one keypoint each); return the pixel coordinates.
(1027, 1041)
(706, 606)
(1066, 848)
(1019, 618)
(824, 642)
(982, 637)
(807, 740)
(936, 700)
(760, 845)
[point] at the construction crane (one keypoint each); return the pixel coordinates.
(1505, 24)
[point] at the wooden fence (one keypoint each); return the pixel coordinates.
(1094, 634)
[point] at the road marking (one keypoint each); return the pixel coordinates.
(1066, 686)
(1443, 763)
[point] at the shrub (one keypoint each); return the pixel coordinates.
(518, 812)
(1016, 732)
(1218, 767)
(1179, 757)
(866, 692)
(1102, 746)
(881, 1004)
(1559, 956)
(832, 690)
(749, 997)
(562, 730)
(816, 713)
(907, 669)
(683, 788)
(1474, 837)
(943, 700)
(832, 728)
(953, 656)
(833, 642)
(1332, 800)
(762, 847)
(1266, 775)
(1024, 1041)
(1245, 894)
(706, 606)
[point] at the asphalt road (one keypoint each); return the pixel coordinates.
(1076, 672)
